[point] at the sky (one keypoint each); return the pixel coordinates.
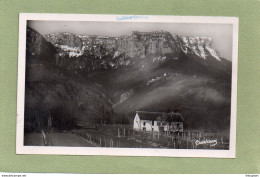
(220, 33)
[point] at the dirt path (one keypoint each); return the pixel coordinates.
(57, 139)
(68, 139)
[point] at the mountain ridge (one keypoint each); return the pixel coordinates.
(194, 45)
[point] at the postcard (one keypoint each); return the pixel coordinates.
(127, 85)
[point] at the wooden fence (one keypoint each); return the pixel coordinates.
(125, 136)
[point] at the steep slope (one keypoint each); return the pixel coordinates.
(184, 85)
(51, 91)
(37, 48)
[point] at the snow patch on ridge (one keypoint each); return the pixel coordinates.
(157, 79)
(72, 51)
(116, 54)
(201, 46)
(213, 53)
(126, 95)
(202, 52)
(159, 59)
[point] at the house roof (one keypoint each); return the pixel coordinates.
(172, 117)
(143, 115)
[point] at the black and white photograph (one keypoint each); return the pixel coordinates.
(127, 85)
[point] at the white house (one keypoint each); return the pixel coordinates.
(158, 122)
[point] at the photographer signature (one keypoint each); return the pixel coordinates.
(211, 142)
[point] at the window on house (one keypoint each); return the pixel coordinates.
(144, 123)
(153, 123)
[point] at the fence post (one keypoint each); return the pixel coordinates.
(222, 141)
(204, 144)
(187, 143)
(178, 141)
(44, 138)
(118, 133)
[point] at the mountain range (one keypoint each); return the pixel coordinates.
(102, 79)
(118, 51)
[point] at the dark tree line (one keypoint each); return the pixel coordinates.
(59, 117)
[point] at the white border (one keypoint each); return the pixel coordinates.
(21, 149)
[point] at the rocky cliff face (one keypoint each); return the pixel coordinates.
(113, 52)
(155, 43)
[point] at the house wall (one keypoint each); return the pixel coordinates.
(137, 123)
(148, 126)
(180, 126)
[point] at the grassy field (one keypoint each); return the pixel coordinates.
(123, 136)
